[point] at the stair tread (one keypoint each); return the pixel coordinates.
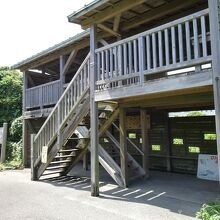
(64, 156)
(68, 150)
(51, 173)
(60, 161)
(55, 167)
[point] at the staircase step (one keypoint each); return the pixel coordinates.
(56, 167)
(60, 161)
(64, 156)
(68, 150)
(51, 173)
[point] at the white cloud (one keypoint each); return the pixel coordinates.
(30, 26)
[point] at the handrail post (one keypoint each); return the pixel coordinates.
(4, 142)
(41, 97)
(33, 158)
(141, 59)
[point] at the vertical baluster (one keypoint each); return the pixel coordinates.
(71, 96)
(125, 58)
(135, 56)
(173, 37)
(111, 63)
(180, 39)
(160, 49)
(103, 66)
(130, 57)
(167, 51)
(148, 47)
(120, 66)
(98, 67)
(195, 36)
(188, 44)
(116, 61)
(107, 63)
(75, 91)
(85, 76)
(204, 40)
(141, 59)
(154, 50)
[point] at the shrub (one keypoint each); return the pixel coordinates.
(210, 211)
(15, 131)
(14, 151)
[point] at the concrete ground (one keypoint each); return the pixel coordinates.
(163, 196)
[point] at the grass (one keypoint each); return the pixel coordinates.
(210, 211)
(14, 164)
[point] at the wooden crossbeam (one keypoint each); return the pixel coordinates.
(110, 12)
(116, 22)
(69, 61)
(157, 13)
(109, 30)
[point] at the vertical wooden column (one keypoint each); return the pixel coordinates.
(4, 142)
(168, 140)
(94, 115)
(24, 127)
(145, 141)
(33, 159)
(123, 146)
(214, 15)
(62, 77)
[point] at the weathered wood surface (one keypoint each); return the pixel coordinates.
(42, 95)
(3, 140)
(176, 45)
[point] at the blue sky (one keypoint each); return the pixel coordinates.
(30, 26)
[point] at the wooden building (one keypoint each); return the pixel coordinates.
(110, 89)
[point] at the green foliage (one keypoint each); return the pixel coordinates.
(14, 151)
(210, 137)
(15, 131)
(197, 113)
(178, 141)
(210, 211)
(10, 94)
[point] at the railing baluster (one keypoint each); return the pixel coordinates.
(135, 56)
(125, 58)
(167, 52)
(204, 40)
(154, 50)
(195, 36)
(141, 59)
(98, 67)
(180, 40)
(111, 63)
(173, 36)
(103, 65)
(130, 57)
(160, 49)
(148, 46)
(107, 63)
(188, 44)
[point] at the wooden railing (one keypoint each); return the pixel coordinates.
(182, 43)
(69, 100)
(42, 95)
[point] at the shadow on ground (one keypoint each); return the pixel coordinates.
(183, 194)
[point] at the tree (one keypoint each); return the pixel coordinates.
(10, 94)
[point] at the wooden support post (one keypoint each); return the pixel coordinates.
(94, 115)
(62, 77)
(214, 15)
(145, 141)
(85, 161)
(24, 127)
(33, 158)
(4, 142)
(168, 141)
(123, 146)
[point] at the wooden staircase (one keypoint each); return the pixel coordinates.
(66, 133)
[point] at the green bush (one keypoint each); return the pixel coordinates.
(15, 131)
(210, 211)
(14, 151)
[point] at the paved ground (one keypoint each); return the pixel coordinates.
(163, 196)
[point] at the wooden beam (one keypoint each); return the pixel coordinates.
(69, 61)
(94, 136)
(116, 22)
(110, 12)
(214, 15)
(109, 30)
(145, 141)
(62, 77)
(103, 42)
(123, 146)
(33, 159)
(157, 13)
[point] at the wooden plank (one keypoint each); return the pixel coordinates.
(160, 48)
(4, 142)
(69, 61)
(110, 12)
(173, 37)
(195, 36)
(116, 22)
(204, 38)
(214, 6)
(188, 45)
(148, 45)
(94, 115)
(154, 47)
(123, 146)
(145, 141)
(109, 30)
(180, 40)
(141, 59)
(62, 77)
(167, 51)
(33, 158)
